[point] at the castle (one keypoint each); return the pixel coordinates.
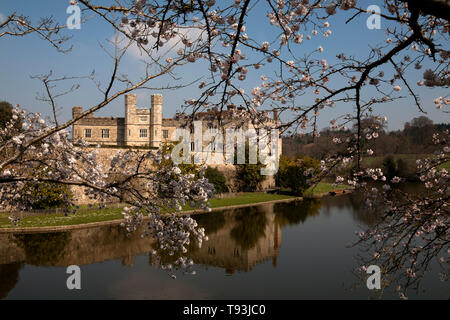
(147, 128)
(139, 127)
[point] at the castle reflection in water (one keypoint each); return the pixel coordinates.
(244, 243)
(239, 239)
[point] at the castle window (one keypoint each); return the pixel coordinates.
(192, 146)
(142, 133)
(165, 134)
(105, 133)
(87, 133)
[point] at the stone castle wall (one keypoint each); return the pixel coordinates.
(139, 127)
(146, 127)
(104, 154)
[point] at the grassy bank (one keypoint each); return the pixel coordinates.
(410, 160)
(107, 214)
(88, 216)
(323, 188)
(83, 216)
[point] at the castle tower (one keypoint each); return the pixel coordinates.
(156, 121)
(130, 112)
(76, 111)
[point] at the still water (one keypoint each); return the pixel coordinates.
(292, 250)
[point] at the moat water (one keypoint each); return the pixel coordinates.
(292, 250)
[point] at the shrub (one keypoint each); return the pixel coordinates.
(291, 173)
(216, 178)
(250, 176)
(390, 167)
(5, 113)
(398, 167)
(46, 195)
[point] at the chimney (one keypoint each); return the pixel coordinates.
(275, 115)
(76, 111)
(130, 103)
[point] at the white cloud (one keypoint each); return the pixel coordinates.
(170, 47)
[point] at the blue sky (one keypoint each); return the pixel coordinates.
(22, 57)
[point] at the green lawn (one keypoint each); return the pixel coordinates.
(409, 158)
(445, 165)
(253, 197)
(323, 187)
(83, 216)
(87, 216)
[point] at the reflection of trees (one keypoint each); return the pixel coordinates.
(360, 212)
(250, 226)
(355, 204)
(410, 238)
(372, 217)
(43, 248)
(212, 222)
(297, 212)
(9, 276)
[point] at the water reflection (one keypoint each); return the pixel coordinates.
(77, 247)
(297, 212)
(9, 276)
(43, 249)
(355, 204)
(239, 240)
(247, 236)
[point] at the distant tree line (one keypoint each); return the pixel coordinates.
(414, 138)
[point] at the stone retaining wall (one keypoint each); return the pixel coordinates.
(229, 171)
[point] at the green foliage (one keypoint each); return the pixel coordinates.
(217, 179)
(45, 195)
(308, 162)
(5, 113)
(281, 176)
(184, 167)
(291, 173)
(250, 176)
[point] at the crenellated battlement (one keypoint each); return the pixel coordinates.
(146, 126)
(138, 127)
